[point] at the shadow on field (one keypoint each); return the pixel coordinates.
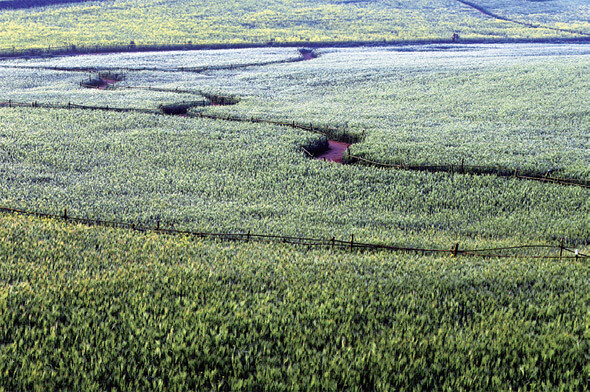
(22, 4)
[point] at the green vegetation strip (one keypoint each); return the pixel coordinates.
(132, 25)
(331, 243)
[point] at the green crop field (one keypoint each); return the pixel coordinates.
(35, 24)
(93, 309)
(491, 149)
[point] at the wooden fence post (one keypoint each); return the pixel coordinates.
(333, 240)
(455, 250)
(65, 213)
(561, 241)
(158, 225)
(248, 237)
(463, 165)
(351, 241)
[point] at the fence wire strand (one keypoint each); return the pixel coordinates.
(331, 243)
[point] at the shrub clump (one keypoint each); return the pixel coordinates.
(175, 108)
(93, 83)
(318, 146)
(221, 99)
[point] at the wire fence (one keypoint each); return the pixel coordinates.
(463, 168)
(557, 252)
(341, 134)
(334, 133)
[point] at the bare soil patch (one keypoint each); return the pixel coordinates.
(335, 151)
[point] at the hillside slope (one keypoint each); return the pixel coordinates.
(34, 24)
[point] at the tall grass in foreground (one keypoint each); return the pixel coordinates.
(95, 309)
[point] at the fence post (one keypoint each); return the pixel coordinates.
(333, 240)
(463, 165)
(248, 237)
(158, 225)
(561, 247)
(351, 241)
(455, 250)
(65, 213)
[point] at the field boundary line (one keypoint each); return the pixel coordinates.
(531, 25)
(331, 243)
(473, 169)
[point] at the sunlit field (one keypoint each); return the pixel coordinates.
(87, 307)
(91, 24)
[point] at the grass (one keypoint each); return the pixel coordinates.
(514, 106)
(96, 309)
(90, 308)
(218, 175)
(107, 23)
